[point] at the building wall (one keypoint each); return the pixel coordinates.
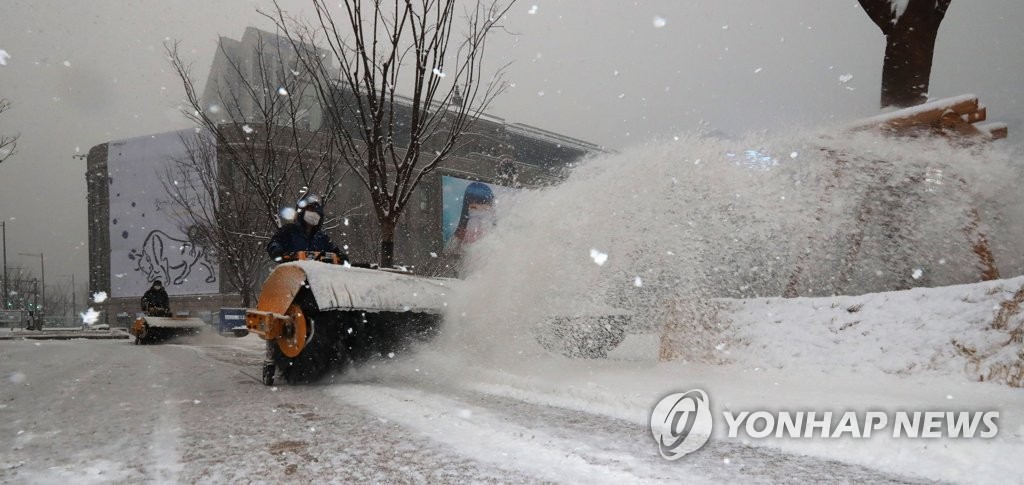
(494, 152)
(419, 236)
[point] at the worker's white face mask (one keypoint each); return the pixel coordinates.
(311, 218)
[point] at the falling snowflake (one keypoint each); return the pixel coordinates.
(4, 56)
(247, 129)
(67, 63)
(638, 282)
(659, 22)
(845, 78)
(282, 91)
(90, 316)
(917, 274)
(438, 73)
(532, 10)
(793, 154)
(214, 109)
(758, 70)
(598, 257)
(100, 296)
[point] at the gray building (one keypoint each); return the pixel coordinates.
(130, 245)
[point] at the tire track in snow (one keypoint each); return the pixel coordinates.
(511, 427)
(479, 433)
(165, 452)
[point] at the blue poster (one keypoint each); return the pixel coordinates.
(467, 211)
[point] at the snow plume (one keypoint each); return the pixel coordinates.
(697, 219)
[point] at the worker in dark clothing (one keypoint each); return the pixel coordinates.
(304, 233)
(155, 301)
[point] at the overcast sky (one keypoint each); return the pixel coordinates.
(612, 72)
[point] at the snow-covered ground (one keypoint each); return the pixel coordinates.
(107, 411)
(683, 236)
(110, 412)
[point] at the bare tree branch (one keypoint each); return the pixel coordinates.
(8, 143)
(392, 142)
(256, 149)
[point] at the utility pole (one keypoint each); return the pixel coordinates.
(42, 275)
(3, 224)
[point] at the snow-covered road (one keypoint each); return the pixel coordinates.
(110, 412)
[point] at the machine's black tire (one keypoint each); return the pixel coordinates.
(143, 337)
(323, 350)
(268, 374)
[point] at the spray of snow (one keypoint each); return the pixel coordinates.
(90, 316)
(850, 215)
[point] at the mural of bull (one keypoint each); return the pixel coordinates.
(170, 259)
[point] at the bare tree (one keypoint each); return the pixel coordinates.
(8, 143)
(909, 46)
(255, 151)
(259, 122)
(393, 142)
(216, 213)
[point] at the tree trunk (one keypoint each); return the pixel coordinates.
(387, 243)
(247, 291)
(909, 49)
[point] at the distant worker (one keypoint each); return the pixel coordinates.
(155, 302)
(304, 233)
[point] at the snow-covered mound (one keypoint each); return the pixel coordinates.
(946, 330)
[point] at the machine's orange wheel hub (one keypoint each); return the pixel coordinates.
(293, 340)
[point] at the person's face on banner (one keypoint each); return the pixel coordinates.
(481, 218)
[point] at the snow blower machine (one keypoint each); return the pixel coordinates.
(159, 326)
(317, 314)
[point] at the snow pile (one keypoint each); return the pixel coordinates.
(342, 287)
(924, 330)
(702, 218)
